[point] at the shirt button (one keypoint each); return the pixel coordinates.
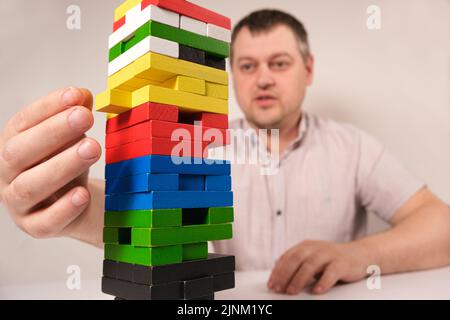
(279, 213)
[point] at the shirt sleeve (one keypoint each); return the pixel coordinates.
(383, 182)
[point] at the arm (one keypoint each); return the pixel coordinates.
(419, 239)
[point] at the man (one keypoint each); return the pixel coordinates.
(329, 176)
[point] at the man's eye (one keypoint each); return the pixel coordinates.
(280, 65)
(246, 67)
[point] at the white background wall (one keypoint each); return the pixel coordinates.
(393, 83)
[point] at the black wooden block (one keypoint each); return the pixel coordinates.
(182, 290)
(224, 281)
(198, 288)
(215, 264)
(110, 268)
(210, 297)
(191, 54)
(123, 272)
(215, 62)
(133, 291)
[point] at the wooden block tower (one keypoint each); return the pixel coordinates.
(167, 105)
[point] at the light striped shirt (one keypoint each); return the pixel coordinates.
(329, 178)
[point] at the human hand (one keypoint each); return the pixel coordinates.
(44, 162)
(325, 261)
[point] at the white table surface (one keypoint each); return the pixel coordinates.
(432, 284)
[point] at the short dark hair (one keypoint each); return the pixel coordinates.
(265, 20)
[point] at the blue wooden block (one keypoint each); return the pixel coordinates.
(218, 183)
(165, 164)
(168, 200)
(143, 183)
(189, 182)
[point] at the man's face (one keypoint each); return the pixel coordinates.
(270, 76)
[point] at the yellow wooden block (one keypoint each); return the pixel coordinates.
(128, 88)
(186, 84)
(185, 100)
(113, 101)
(136, 83)
(128, 76)
(111, 115)
(217, 91)
(127, 79)
(156, 68)
(122, 10)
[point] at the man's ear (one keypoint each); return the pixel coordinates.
(310, 70)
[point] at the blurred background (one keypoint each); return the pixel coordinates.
(392, 82)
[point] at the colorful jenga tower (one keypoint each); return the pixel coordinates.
(167, 104)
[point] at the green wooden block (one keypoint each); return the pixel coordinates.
(195, 251)
(220, 215)
(147, 256)
(149, 237)
(114, 52)
(197, 216)
(111, 235)
(117, 235)
(140, 34)
(144, 218)
(212, 46)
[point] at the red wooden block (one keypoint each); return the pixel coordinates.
(190, 10)
(119, 23)
(210, 120)
(216, 137)
(156, 146)
(145, 112)
(214, 120)
(164, 129)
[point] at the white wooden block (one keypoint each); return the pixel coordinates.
(163, 16)
(193, 25)
(218, 33)
(149, 44)
(133, 13)
(137, 19)
(124, 32)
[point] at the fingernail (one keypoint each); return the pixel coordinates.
(69, 97)
(278, 289)
(79, 199)
(270, 285)
(318, 289)
(87, 151)
(79, 120)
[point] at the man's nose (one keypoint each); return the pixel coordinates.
(264, 79)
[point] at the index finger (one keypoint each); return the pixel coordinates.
(45, 108)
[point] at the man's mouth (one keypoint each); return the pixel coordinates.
(265, 100)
